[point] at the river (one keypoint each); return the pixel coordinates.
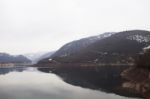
(31, 83)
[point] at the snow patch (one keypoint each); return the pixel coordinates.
(64, 55)
(146, 48)
(50, 59)
(139, 38)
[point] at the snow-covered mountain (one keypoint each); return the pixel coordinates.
(35, 57)
(139, 38)
(120, 47)
(75, 46)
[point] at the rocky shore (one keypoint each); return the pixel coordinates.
(137, 79)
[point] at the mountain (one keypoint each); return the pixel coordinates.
(121, 48)
(75, 46)
(35, 57)
(46, 55)
(6, 58)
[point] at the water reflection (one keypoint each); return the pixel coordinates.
(33, 84)
(103, 78)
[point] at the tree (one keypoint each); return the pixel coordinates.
(143, 60)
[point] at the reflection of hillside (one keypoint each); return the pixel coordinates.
(7, 70)
(106, 78)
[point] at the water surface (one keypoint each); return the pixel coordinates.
(30, 83)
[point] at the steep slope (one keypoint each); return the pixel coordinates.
(75, 46)
(121, 47)
(6, 58)
(46, 55)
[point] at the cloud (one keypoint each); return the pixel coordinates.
(37, 25)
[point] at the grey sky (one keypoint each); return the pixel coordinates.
(44, 25)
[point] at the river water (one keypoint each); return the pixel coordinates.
(30, 83)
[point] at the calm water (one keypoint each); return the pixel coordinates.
(30, 83)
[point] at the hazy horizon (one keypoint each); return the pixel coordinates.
(29, 26)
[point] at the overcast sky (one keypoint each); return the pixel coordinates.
(28, 26)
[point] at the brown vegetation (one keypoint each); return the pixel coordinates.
(138, 77)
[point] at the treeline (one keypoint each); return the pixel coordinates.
(143, 60)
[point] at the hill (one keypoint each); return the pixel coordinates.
(6, 58)
(120, 48)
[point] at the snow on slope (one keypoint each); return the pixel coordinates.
(34, 56)
(139, 38)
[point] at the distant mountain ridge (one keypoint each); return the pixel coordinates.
(120, 47)
(35, 57)
(7, 58)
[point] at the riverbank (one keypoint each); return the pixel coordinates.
(55, 65)
(137, 79)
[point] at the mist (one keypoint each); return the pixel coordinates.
(43, 25)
